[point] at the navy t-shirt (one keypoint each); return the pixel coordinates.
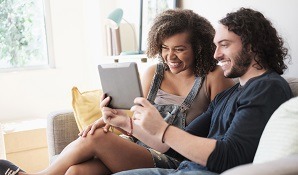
(237, 117)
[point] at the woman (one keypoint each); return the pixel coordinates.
(181, 88)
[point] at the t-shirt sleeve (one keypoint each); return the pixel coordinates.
(254, 108)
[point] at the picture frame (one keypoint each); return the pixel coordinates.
(150, 9)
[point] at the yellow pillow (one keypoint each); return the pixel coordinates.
(86, 107)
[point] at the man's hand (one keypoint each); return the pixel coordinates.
(148, 117)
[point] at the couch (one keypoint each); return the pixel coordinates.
(62, 129)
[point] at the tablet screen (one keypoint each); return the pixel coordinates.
(122, 82)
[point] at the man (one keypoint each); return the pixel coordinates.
(228, 133)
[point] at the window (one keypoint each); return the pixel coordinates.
(151, 8)
(24, 34)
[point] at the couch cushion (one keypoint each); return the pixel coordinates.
(280, 136)
(293, 83)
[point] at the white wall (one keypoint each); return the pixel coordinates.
(78, 47)
(282, 13)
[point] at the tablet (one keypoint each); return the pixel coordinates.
(122, 82)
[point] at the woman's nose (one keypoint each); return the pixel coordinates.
(171, 53)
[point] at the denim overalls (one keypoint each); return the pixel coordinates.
(172, 114)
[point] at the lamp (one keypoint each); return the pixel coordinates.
(114, 18)
(113, 22)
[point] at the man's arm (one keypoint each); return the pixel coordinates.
(240, 140)
(147, 118)
(194, 148)
(254, 108)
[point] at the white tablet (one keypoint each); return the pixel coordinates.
(121, 81)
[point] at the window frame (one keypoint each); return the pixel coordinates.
(49, 43)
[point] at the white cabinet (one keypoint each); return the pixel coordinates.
(142, 61)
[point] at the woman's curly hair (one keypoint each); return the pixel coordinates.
(258, 34)
(171, 22)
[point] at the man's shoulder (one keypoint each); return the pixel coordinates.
(270, 78)
(270, 83)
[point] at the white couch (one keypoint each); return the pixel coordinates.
(62, 129)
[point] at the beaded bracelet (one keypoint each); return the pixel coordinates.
(163, 135)
(131, 127)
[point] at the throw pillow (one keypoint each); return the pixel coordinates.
(86, 106)
(280, 136)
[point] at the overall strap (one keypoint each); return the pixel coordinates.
(192, 94)
(155, 84)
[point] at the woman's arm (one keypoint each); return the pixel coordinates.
(147, 78)
(120, 120)
(216, 82)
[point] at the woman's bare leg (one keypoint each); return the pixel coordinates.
(120, 154)
(91, 167)
(115, 154)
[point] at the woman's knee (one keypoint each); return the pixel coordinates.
(100, 134)
(74, 170)
(98, 137)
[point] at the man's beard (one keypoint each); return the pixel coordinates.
(242, 62)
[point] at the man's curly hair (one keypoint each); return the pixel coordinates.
(171, 22)
(258, 34)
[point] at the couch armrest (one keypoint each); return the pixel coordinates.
(282, 166)
(61, 130)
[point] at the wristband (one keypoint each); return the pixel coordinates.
(163, 135)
